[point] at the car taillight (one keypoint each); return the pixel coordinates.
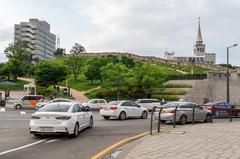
(36, 117)
(63, 117)
(113, 107)
(101, 107)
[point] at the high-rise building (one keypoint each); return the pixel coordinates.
(41, 42)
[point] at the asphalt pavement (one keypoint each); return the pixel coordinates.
(17, 142)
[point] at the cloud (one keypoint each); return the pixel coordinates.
(138, 25)
(5, 34)
(153, 27)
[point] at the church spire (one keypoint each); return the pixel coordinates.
(199, 35)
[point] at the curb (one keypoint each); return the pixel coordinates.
(120, 143)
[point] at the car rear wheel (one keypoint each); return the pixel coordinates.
(122, 116)
(90, 122)
(76, 130)
(183, 120)
(208, 118)
(18, 106)
(106, 117)
(144, 115)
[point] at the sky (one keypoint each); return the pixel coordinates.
(142, 27)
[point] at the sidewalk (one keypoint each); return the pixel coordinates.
(200, 141)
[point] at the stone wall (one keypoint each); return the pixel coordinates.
(214, 90)
(151, 59)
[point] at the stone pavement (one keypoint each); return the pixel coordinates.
(219, 140)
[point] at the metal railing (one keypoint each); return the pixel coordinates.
(174, 118)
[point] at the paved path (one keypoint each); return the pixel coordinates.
(200, 141)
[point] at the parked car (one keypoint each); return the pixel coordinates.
(123, 109)
(41, 104)
(184, 112)
(65, 117)
(222, 109)
(95, 103)
(28, 101)
(149, 103)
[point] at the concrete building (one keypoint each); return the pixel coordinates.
(199, 52)
(41, 42)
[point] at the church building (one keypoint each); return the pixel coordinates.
(199, 52)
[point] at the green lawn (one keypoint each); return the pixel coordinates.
(82, 84)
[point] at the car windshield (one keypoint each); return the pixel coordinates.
(167, 105)
(55, 108)
(114, 102)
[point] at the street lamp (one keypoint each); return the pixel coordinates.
(228, 100)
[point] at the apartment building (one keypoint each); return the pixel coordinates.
(41, 42)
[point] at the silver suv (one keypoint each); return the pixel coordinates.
(149, 103)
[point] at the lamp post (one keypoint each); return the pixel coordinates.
(228, 98)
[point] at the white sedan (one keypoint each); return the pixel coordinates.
(41, 104)
(65, 117)
(122, 110)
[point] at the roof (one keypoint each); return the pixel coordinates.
(9, 83)
(199, 34)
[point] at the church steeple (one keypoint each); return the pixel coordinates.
(199, 47)
(199, 35)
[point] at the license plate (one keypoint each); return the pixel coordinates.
(106, 108)
(46, 129)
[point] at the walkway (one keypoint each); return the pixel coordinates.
(199, 141)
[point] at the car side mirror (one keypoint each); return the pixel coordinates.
(87, 109)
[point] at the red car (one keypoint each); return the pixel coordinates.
(222, 109)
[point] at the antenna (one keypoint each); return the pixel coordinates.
(58, 42)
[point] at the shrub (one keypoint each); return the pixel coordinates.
(170, 85)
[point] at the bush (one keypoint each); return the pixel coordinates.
(170, 85)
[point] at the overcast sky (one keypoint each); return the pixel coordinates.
(143, 27)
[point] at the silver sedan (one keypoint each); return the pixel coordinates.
(184, 112)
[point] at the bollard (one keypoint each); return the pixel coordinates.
(174, 119)
(230, 114)
(193, 115)
(151, 125)
(159, 119)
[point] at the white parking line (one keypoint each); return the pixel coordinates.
(50, 141)
(22, 147)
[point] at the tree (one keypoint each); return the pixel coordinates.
(59, 52)
(50, 73)
(77, 48)
(19, 60)
(93, 70)
(114, 75)
(143, 78)
(127, 61)
(74, 64)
